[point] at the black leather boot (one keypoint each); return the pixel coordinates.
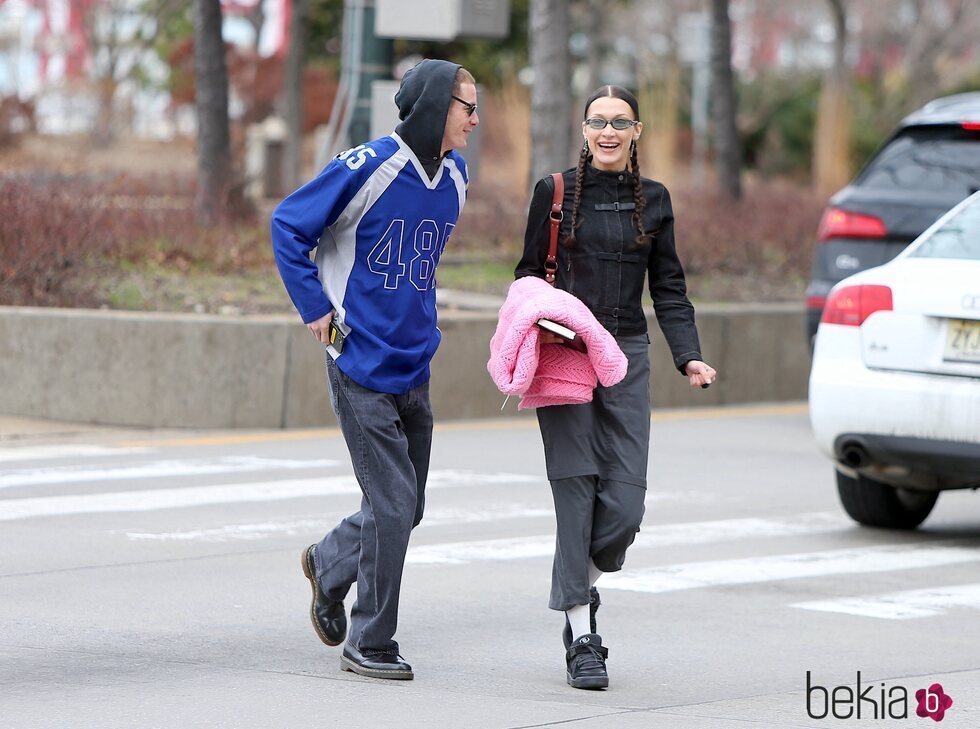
(328, 616)
(586, 661)
(376, 665)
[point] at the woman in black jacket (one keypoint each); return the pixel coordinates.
(617, 231)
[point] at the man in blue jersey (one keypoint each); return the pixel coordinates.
(379, 216)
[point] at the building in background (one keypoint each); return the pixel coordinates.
(59, 54)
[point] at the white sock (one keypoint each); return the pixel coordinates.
(578, 618)
(594, 572)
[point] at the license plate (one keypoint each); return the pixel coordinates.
(962, 341)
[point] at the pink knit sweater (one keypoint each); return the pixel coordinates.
(550, 374)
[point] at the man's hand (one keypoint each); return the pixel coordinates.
(321, 328)
(700, 374)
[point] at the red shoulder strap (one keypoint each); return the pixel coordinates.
(551, 262)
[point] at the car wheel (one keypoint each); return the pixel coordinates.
(877, 504)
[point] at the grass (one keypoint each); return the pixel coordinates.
(152, 286)
(490, 277)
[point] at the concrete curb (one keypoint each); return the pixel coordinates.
(200, 371)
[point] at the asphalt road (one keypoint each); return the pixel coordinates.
(153, 580)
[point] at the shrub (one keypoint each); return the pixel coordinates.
(59, 233)
(768, 233)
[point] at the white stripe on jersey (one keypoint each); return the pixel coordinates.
(406, 150)
(336, 260)
(457, 176)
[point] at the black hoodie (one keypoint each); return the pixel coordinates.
(423, 104)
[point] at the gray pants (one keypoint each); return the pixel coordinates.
(598, 520)
(389, 438)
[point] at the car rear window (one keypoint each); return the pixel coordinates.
(931, 159)
(958, 237)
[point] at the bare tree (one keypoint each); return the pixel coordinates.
(256, 18)
(213, 138)
(657, 67)
(121, 35)
(925, 35)
(831, 145)
(597, 41)
(938, 28)
(551, 89)
(727, 153)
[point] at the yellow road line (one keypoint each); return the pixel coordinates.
(733, 411)
(658, 416)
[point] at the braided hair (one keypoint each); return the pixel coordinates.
(585, 156)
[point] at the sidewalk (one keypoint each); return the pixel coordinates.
(467, 301)
(15, 428)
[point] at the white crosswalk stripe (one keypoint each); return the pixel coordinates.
(45, 452)
(790, 566)
(155, 499)
(437, 516)
(156, 469)
(101, 467)
(905, 605)
(660, 535)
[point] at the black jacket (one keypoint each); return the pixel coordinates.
(604, 268)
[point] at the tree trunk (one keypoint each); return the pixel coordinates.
(105, 119)
(831, 144)
(597, 45)
(727, 155)
(293, 83)
(213, 137)
(551, 109)
(659, 109)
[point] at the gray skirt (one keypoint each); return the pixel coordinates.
(610, 436)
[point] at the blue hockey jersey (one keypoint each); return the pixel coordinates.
(379, 226)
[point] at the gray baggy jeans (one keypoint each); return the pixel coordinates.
(389, 438)
(598, 520)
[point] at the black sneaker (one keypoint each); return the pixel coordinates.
(594, 603)
(586, 661)
(328, 616)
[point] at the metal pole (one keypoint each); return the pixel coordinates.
(373, 64)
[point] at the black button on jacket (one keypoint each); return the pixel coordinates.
(604, 268)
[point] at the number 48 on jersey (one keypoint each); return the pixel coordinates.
(386, 258)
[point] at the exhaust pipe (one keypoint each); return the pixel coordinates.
(854, 454)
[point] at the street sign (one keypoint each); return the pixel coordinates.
(443, 20)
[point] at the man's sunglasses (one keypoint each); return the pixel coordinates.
(617, 124)
(470, 108)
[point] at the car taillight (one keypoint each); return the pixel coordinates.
(837, 223)
(972, 126)
(815, 302)
(851, 305)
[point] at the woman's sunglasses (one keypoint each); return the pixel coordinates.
(470, 108)
(617, 124)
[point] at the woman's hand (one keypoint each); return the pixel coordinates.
(546, 337)
(699, 373)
